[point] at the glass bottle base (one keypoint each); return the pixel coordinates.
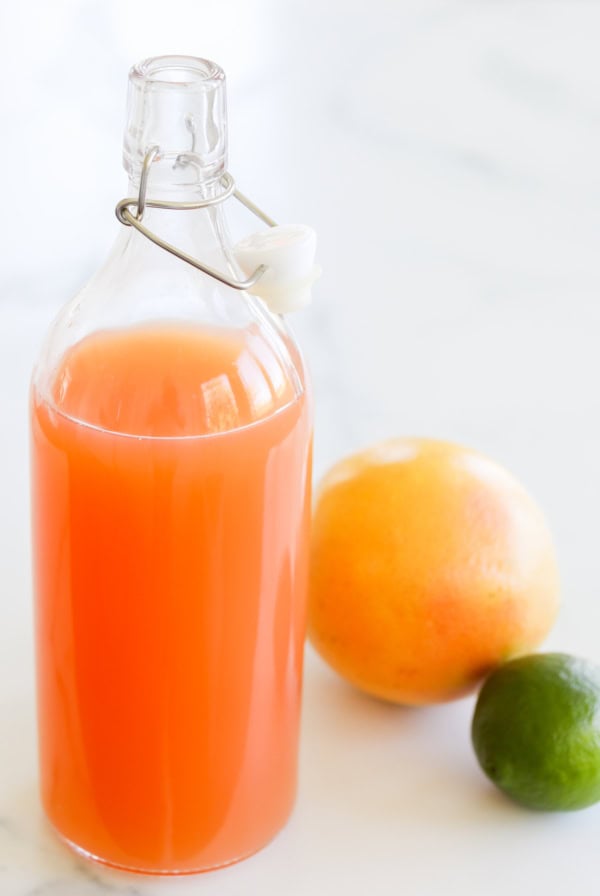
(167, 872)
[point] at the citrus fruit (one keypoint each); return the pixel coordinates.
(536, 731)
(430, 566)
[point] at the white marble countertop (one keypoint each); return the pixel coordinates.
(448, 154)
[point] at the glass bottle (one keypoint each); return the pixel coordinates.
(171, 445)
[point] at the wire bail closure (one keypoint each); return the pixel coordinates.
(124, 213)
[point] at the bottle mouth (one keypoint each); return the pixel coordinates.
(178, 104)
(177, 72)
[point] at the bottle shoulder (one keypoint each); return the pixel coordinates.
(166, 356)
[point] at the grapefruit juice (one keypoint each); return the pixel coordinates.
(171, 479)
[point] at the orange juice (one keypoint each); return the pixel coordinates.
(171, 471)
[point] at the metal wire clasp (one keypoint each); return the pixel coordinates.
(126, 216)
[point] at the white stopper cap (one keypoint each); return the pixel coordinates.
(289, 253)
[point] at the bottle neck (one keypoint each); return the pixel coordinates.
(171, 190)
(200, 232)
(177, 130)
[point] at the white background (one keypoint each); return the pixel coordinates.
(448, 154)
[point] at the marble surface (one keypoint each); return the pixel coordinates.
(448, 155)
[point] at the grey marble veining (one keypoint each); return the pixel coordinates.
(448, 155)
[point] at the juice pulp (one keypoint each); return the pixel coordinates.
(171, 471)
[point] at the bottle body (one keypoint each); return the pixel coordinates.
(170, 577)
(171, 433)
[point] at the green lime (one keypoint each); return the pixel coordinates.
(536, 731)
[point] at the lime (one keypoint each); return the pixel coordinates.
(536, 731)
